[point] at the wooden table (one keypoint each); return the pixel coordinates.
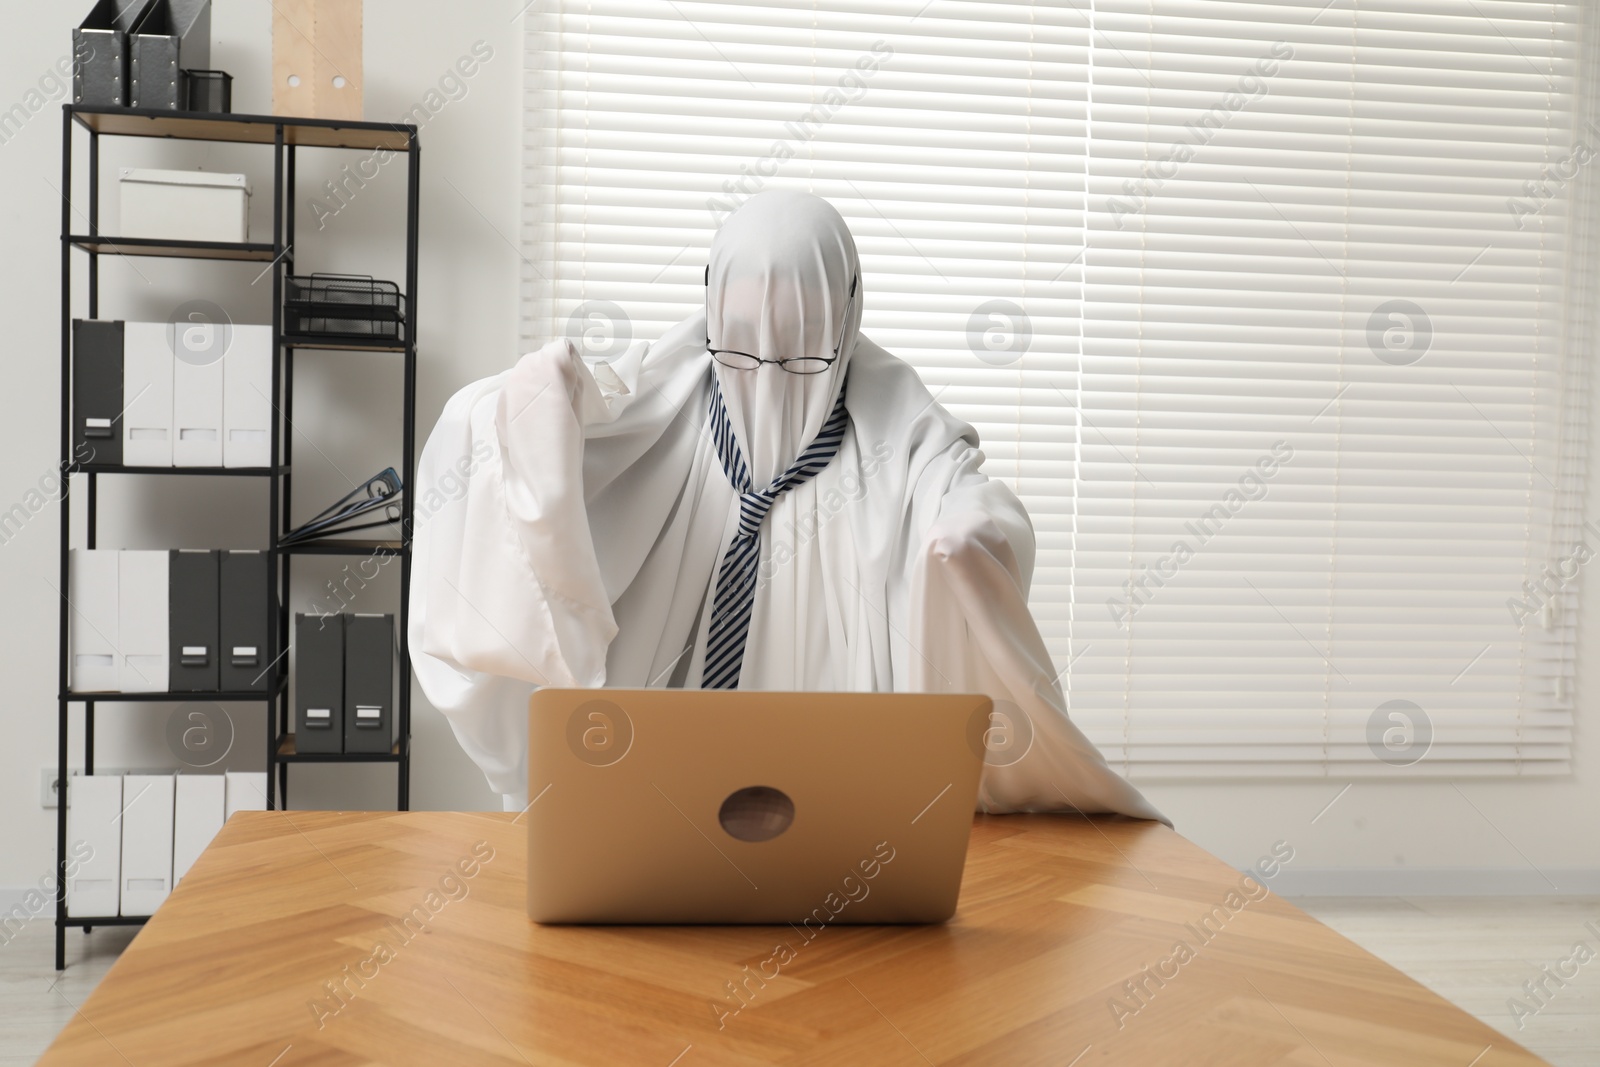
(288, 944)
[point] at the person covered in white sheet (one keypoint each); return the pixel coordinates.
(762, 498)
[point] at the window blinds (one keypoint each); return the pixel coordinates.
(1262, 309)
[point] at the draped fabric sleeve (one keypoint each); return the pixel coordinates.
(972, 631)
(506, 593)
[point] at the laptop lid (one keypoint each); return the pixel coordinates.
(711, 806)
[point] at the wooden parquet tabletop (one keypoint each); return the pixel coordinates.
(343, 938)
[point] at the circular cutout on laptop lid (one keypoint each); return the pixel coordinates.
(756, 813)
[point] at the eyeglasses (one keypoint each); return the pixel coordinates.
(729, 357)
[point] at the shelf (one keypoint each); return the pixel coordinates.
(343, 344)
(287, 754)
(270, 247)
(228, 697)
(152, 246)
(217, 472)
(245, 129)
(341, 546)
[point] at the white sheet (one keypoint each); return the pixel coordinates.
(571, 520)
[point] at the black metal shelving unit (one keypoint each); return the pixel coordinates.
(286, 135)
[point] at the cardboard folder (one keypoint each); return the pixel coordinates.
(317, 58)
(97, 391)
(319, 683)
(147, 395)
(247, 398)
(245, 791)
(94, 844)
(242, 622)
(100, 49)
(197, 810)
(146, 842)
(92, 626)
(172, 37)
(196, 413)
(368, 683)
(192, 621)
(142, 626)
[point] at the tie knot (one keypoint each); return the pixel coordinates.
(753, 508)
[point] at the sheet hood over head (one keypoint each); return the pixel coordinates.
(777, 287)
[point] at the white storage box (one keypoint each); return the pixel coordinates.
(94, 842)
(197, 810)
(244, 791)
(185, 205)
(146, 841)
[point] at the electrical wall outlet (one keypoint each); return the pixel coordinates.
(49, 796)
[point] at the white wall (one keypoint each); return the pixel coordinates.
(468, 321)
(346, 403)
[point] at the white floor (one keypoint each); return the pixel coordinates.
(1473, 951)
(1477, 952)
(36, 1000)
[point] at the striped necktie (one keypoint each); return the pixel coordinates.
(735, 596)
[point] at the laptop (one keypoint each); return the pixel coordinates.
(730, 806)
